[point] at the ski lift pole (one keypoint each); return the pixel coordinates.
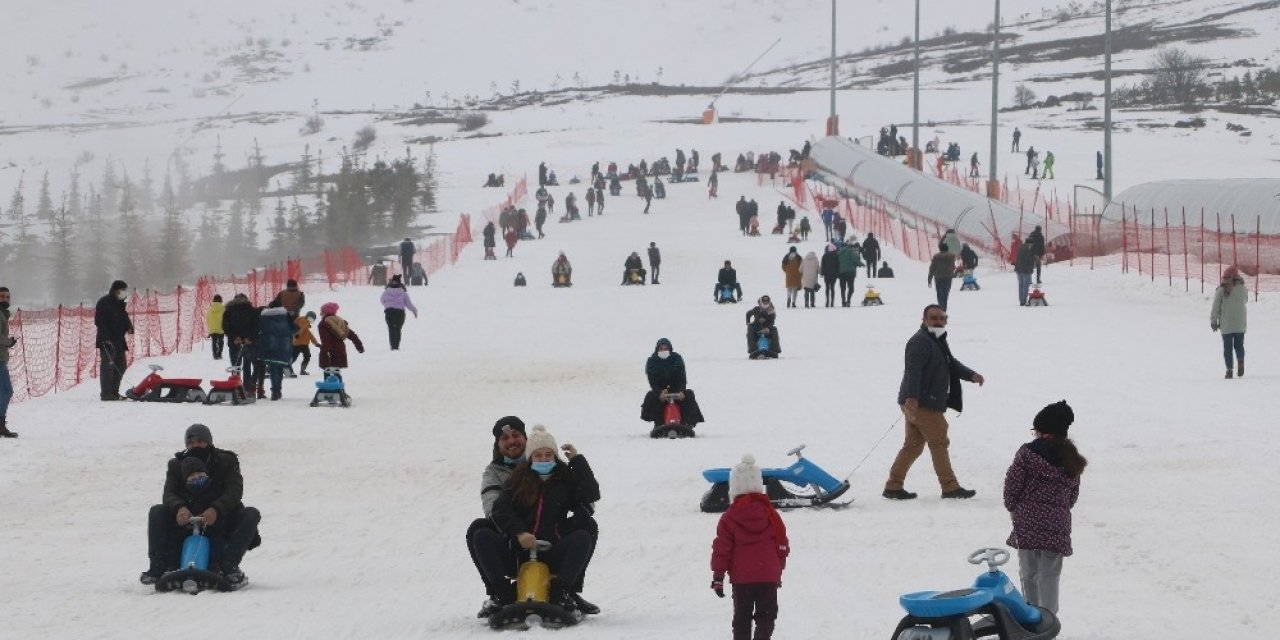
(736, 78)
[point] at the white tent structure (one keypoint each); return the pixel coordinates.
(916, 198)
(1254, 203)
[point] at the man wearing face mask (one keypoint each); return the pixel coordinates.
(112, 320)
(930, 385)
(214, 495)
(6, 383)
(666, 373)
(509, 444)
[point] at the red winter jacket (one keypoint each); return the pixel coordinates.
(751, 542)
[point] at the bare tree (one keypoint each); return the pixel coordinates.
(1178, 77)
(1023, 96)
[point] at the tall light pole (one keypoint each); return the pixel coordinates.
(917, 162)
(833, 125)
(1106, 111)
(993, 182)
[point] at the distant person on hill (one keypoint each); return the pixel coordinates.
(213, 322)
(871, 253)
(111, 318)
(713, 184)
(849, 261)
(791, 270)
(1024, 266)
(885, 271)
(727, 278)
(1017, 139)
(655, 261)
(968, 257)
(395, 300)
(809, 279)
(942, 269)
(829, 267)
(334, 332)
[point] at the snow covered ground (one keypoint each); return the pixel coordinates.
(365, 509)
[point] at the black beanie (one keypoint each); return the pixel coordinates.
(198, 431)
(118, 285)
(190, 465)
(1055, 419)
(507, 421)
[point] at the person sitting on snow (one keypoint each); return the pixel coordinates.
(633, 268)
(727, 279)
(885, 271)
(561, 272)
(762, 318)
(563, 488)
(204, 481)
(520, 280)
(666, 373)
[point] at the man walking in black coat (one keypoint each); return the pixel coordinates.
(112, 321)
(655, 261)
(1035, 240)
(240, 323)
(930, 385)
(406, 261)
(871, 254)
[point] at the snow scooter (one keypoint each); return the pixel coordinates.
(763, 347)
(156, 388)
(633, 277)
(803, 484)
(533, 606)
(944, 615)
(229, 391)
(872, 297)
(193, 575)
(1036, 297)
(969, 283)
(725, 293)
(331, 390)
(561, 280)
(673, 425)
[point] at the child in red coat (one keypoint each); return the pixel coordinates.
(751, 545)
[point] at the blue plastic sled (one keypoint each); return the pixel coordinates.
(803, 484)
(1001, 610)
(193, 574)
(331, 391)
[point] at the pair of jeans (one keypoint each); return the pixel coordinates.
(6, 389)
(653, 271)
(756, 601)
(1024, 284)
(1230, 342)
(249, 365)
(395, 322)
(217, 339)
(943, 286)
(846, 288)
(111, 368)
(1040, 571)
(831, 290)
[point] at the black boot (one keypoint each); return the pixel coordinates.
(6, 433)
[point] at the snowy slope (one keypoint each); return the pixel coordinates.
(364, 509)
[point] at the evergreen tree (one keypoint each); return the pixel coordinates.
(210, 251)
(235, 230)
(74, 204)
(404, 191)
(279, 246)
(110, 189)
(64, 272)
(44, 206)
(145, 194)
(131, 243)
(429, 180)
(302, 174)
(301, 229)
(22, 266)
(99, 267)
(174, 248)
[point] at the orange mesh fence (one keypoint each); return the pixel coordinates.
(56, 348)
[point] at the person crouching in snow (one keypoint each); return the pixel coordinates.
(751, 546)
(334, 331)
(1040, 489)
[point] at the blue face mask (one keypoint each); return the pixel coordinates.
(198, 483)
(513, 461)
(543, 468)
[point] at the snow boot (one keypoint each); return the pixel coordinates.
(1228, 376)
(582, 605)
(234, 576)
(151, 575)
(1240, 369)
(959, 493)
(6, 433)
(898, 494)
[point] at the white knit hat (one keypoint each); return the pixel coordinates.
(744, 478)
(539, 438)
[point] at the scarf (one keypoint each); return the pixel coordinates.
(779, 528)
(338, 325)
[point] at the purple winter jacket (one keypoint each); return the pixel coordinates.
(1039, 496)
(398, 298)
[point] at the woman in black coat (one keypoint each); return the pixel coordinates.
(665, 370)
(535, 504)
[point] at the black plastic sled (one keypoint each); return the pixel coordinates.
(995, 621)
(193, 581)
(526, 615)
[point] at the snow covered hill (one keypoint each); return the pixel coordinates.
(365, 509)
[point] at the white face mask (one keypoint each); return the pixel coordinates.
(938, 332)
(664, 354)
(123, 294)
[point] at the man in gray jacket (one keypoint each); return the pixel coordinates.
(509, 451)
(930, 385)
(6, 383)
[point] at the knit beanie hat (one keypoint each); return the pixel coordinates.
(1055, 419)
(190, 465)
(328, 308)
(507, 422)
(541, 439)
(118, 285)
(198, 431)
(745, 478)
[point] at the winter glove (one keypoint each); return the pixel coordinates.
(359, 349)
(12, 341)
(1212, 326)
(718, 587)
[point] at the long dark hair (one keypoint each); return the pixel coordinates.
(1065, 450)
(527, 486)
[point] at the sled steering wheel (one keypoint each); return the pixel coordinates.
(796, 451)
(993, 556)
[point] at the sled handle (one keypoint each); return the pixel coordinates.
(197, 524)
(155, 367)
(993, 556)
(797, 451)
(234, 370)
(539, 546)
